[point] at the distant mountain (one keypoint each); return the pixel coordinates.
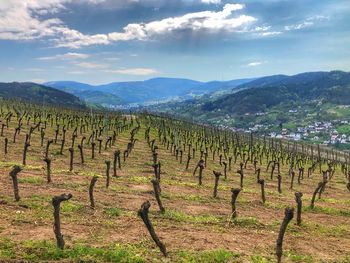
(151, 90)
(69, 86)
(261, 94)
(148, 91)
(87, 93)
(39, 93)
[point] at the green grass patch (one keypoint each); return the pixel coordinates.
(212, 256)
(335, 231)
(7, 249)
(55, 153)
(327, 210)
(183, 217)
(35, 251)
(71, 207)
(276, 206)
(187, 197)
(90, 174)
(112, 211)
(139, 179)
(260, 259)
(288, 254)
(9, 164)
(333, 200)
(31, 180)
(346, 259)
(294, 257)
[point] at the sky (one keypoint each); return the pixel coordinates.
(103, 41)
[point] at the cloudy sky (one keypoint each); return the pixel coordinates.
(101, 41)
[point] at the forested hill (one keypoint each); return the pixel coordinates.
(262, 94)
(39, 93)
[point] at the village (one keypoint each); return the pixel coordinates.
(321, 132)
(329, 133)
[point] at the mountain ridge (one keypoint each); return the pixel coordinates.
(327, 86)
(39, 93)
(151, 90)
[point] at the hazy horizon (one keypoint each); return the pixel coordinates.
(165, 77)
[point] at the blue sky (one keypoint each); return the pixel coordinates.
(101, 41)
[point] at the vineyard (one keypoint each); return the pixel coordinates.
(113, 187)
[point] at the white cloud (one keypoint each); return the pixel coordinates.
(254, 64)
(91, 65)
(263, 28)
(270, 33)
(308, 22)
(263, 31)
(298, 26)
(205, 21)
(67, 56)
(74, 39)
(135, 71)
(21, 20)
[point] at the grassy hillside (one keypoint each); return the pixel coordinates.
(39, 93)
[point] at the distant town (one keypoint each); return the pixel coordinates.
(327, 133)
